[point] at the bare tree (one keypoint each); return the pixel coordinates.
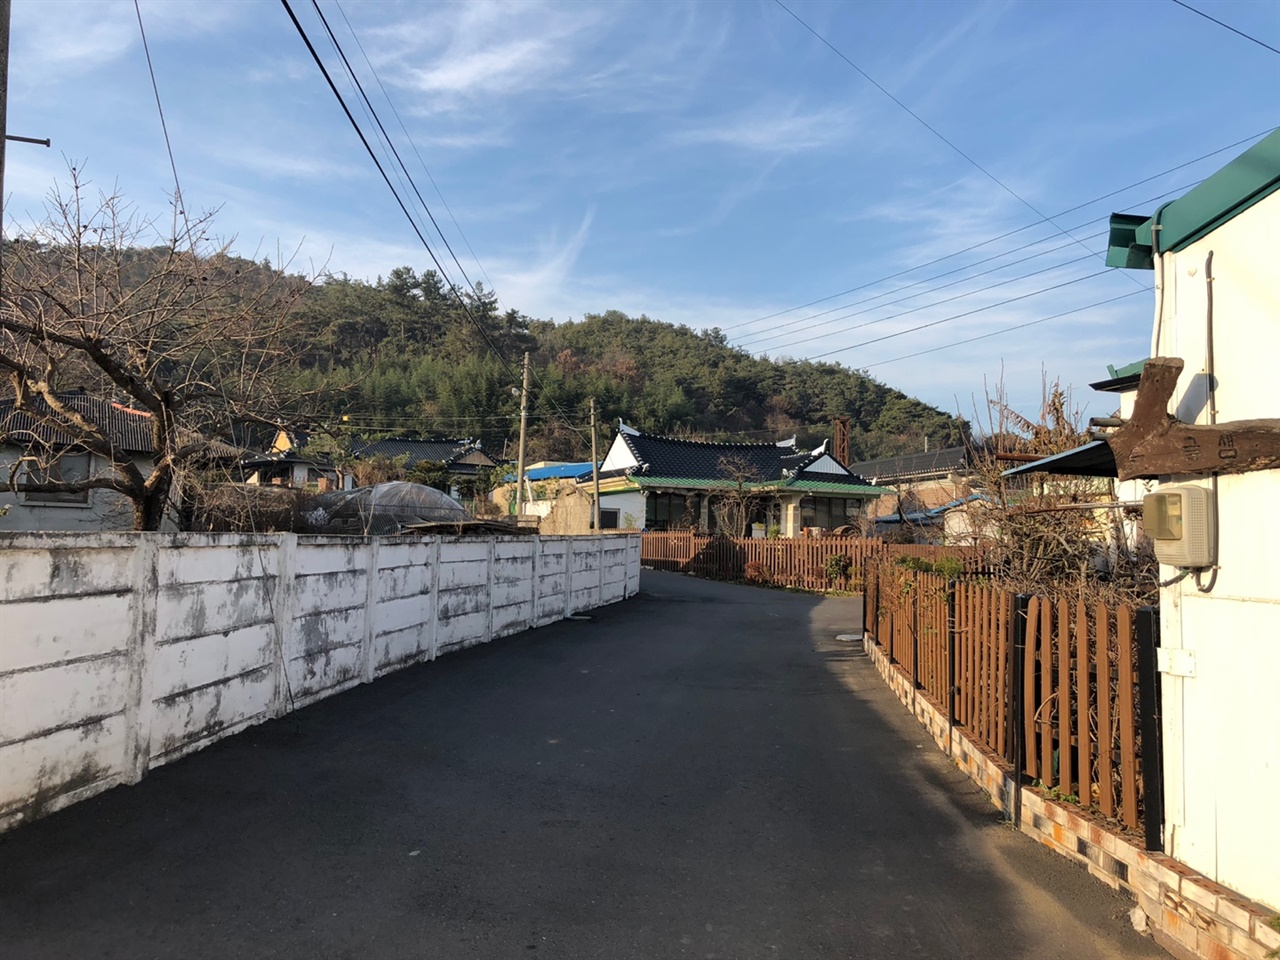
(173, 330)
(737, 497)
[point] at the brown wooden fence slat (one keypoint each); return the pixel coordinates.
(1064, 697)
(1043, 707)
(1124, 707)
(1031, 756)
(1106, 742)
(1084, 761)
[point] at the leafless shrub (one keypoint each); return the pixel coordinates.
(1052, 535)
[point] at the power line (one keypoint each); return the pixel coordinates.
(1003, 330)
(958, 316)
(360, 88)
(919, 119)
(1241, 33)
(179, 208)
(936, 303)
(1010, 233)
(757, 338)
(403, 208)
(400, 201)
(404, 129)
(396, 153)
(754, 341)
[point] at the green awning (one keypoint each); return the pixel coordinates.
(1250, 177)
(1123, 249)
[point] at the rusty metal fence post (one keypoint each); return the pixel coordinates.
(1147, 636)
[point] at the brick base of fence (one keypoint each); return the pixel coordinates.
(1188, 914)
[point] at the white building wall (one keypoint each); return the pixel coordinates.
(105, 510)
(122, 652)
(1222, 752)
(628, 504)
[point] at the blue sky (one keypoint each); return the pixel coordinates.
(702, 163)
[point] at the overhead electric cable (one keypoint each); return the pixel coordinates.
(403, 207)
(386, 137)
(425, 169)
(959, 316)
(370, 108)
(762, 335)
(753, 341)
(919, 119)
(935, 304)
(1241, 33)
(179, 208)
(1002, 331)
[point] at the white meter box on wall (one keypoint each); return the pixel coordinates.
(1180, 521)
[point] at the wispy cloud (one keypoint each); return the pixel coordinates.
(535, 286)
(490, 51)
(773, 130)
(87, 34)
(275, 164)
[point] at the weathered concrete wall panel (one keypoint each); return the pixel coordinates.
(91, 689)
(196, 716)
(104, 626)
(120, 652)
(200, 661)
(60, 768)
(200, 609)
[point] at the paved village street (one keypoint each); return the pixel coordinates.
(702, 771)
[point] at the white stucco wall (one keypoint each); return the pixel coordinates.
(625, 502)
(121, 652)
(1222, 750)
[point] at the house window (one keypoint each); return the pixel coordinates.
(68, 468)
(829, 512)
(608, 519)
(672, 511)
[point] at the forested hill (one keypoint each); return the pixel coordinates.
(413, 362)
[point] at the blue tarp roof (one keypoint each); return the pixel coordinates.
(560, 471)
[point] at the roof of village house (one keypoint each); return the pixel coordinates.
(699, 464)
(126, 429)
(913, 466)
(445, 450)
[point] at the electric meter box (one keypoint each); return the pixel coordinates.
(1180, 520)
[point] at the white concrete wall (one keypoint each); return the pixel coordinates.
(121, 652)
(1222, 752)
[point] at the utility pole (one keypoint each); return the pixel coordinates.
(524, 422)
(5, 16)
(4, 100)
(595, 472)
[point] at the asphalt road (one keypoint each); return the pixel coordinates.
(702, 771)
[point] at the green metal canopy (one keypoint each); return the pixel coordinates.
(1135, 241)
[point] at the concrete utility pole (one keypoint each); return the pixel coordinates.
(524, 421)
(595, 472)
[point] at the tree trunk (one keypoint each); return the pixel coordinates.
(149, 508)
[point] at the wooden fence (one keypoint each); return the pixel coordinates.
(1052, 687)
(803, 563)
